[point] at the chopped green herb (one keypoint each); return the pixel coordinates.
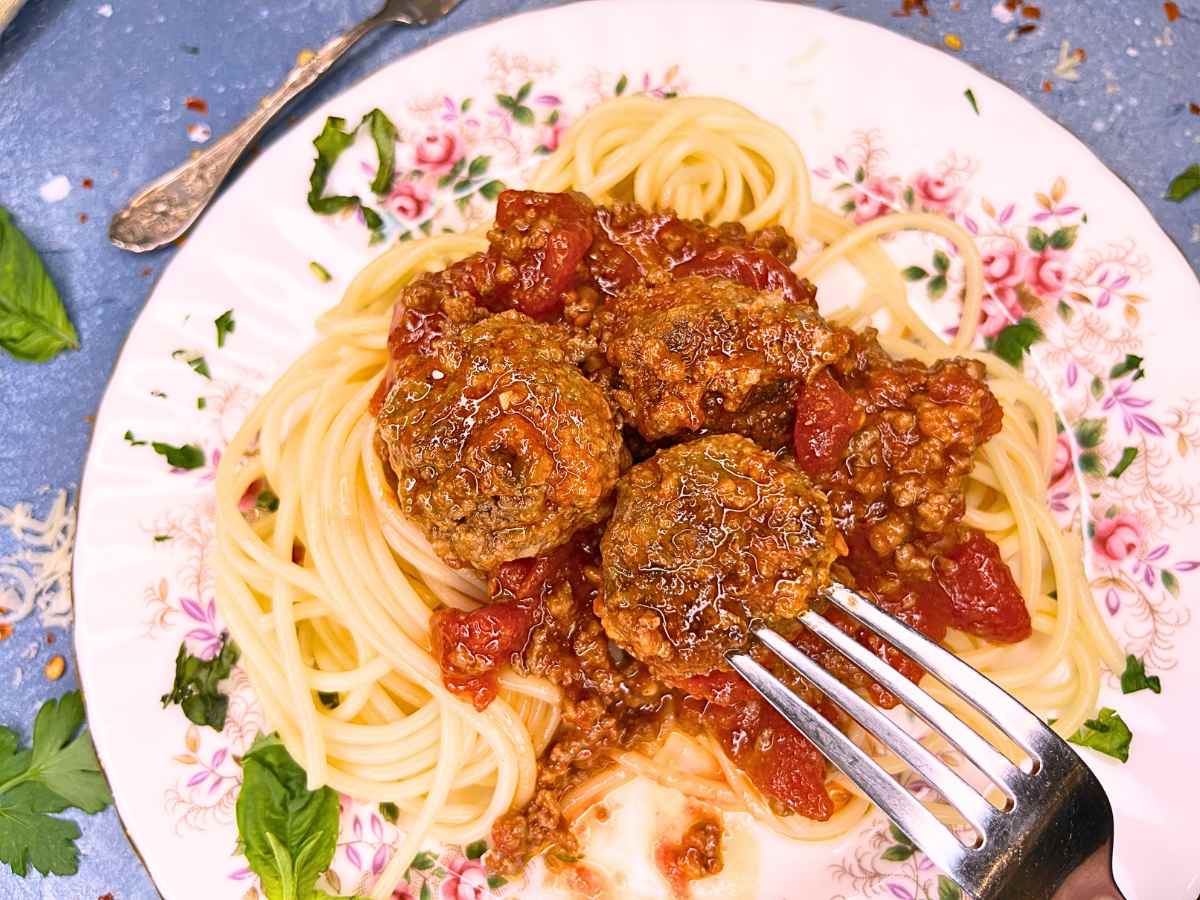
(201, 403)
(288, 833)
(268, 501)
(225, 326)
(320, 271)
(34, 325)
(185, 456)
(1107, 733)
(132, 441)
(197, 361)
(391, 812)
(970, 95)
(1128, 455)
(1184, 184)
(622, 83)
(329, 699)
(333, 140)
(58, 772)
(158, 395)
(159, 538)
(1135, 679)
(1014, 341)
(197, 687)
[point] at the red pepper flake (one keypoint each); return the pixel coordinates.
(83, 217)
(105, 897)
(1012, 5)
(87, 183)
(50, 639)
(5, 631)
(1080, 54)
(1027, 28)
(1047, 86)
(146, 272)
(1031, 12)
(197, 104)
(1172, 11)
(1194, 108)
(908, 7)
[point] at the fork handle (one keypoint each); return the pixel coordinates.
(1092, 880)
(166, 208)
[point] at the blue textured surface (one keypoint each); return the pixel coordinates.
(99, 97)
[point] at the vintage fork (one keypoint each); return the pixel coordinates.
(165, 209)
(1053, 838)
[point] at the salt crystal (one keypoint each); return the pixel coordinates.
(55, 189)
(105, 9)
(198, 132)
(1001, 13)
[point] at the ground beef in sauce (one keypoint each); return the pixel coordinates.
(706, 537)
(706, 354)
(501, 447)
(696, 855)
(684, 329)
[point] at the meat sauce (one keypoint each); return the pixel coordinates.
(696, 855)
(888, 442)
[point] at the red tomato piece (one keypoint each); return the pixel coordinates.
(471, 647)
(753, 268)
(826, 419)
(984, 597)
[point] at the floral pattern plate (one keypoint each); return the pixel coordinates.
(1076, 268)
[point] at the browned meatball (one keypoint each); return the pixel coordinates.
(706, 537)
(707, 354)
(501, 448)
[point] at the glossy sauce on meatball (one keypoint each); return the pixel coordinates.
(502, 449)
(707, 354)
(706, 538)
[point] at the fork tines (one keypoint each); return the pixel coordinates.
(939, 843)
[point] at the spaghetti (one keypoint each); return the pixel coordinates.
(334, 591)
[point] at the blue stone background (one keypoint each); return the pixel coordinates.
(87, 95)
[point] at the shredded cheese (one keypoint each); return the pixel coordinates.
(38, 575)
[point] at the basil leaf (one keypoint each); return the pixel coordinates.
(1107, 733)
(197, 687)
(1134, 678)
(333, 140)
(289, 833)
(33, 322)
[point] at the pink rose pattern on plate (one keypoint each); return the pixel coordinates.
(1075, 311)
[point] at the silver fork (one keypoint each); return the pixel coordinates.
(165, 209)
(1053, 838)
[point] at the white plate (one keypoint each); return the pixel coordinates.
(855, 97)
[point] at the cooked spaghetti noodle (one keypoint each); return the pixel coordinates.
(334, 591)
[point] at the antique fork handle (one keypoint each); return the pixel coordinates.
(1092, 880)
(166, 208)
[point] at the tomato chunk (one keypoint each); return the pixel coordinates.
(545, 238)
(471, 647)
(754, 268)
(777, 759)
(826, 419)
(984, 597)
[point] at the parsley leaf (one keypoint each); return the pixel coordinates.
(34, 325)
(225, 326)
(288, 832)
(186, 456)
(1107, 733)
(1134, 678)
(333, 140)
(970, 95)
(58, 772)
(1184, 184)
(1014, 341)
(196, 360)
(197, 687)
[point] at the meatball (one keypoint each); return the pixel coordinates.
(707, 354)
(501, 448)
(707, 537)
